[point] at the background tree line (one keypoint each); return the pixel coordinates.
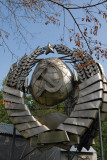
(86, 18)
(40, 110)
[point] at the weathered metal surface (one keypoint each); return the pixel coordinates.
(33, 141)
(91, 94)
(105, 86)
(11, 98)
(104, 97)
(79, 122)
(49, 48)
(52, 120)
(104, 107)
(53, 137)
(84, 114)
(94, 96)
(103, 115)
(104, 79)
(15, 106)
(102, 72)
(18, 113)
(27, 125)
(83, 72)
(18, 72)
(13, 91)
(7, 129)
(90, 81)
(74, 139)
(41, 147)
(93, 88)
(51, 81)
(72, 129)
(33, 131)
(17, 120)
(89, 105)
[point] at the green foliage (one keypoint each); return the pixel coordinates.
(39, 110)
(104, 138)
(3, 114)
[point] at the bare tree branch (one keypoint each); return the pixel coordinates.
(66, 8)
(17, 14)
(80, 7)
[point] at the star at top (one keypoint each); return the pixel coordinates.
(49, 48)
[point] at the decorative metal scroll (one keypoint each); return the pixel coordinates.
(81, 126)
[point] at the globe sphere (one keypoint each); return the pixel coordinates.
(51, 82)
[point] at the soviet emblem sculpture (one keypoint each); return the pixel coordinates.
(51, 83)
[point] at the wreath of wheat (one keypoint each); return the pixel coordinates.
(81, 126)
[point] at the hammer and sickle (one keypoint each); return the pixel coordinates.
(55, 86)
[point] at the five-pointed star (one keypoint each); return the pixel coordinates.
(49, 48)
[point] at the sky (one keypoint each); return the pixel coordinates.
(42, 35)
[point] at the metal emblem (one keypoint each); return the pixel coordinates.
(79, 128)
(54, 87)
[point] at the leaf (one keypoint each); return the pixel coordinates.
(100, 43)
(70, 39)
(79, 67)
(102, 51)
(42, 4)
(36, 9)
(96, 27)
(100, 25)
(96, 20)
(96, 48)
(85, 33)
(70, 30)
(6, 36)
(47, 22)
(70, 3)
(91, 31)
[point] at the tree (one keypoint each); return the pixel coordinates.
(82, 31)
(39, 110)
(104, 138)
(3, 115)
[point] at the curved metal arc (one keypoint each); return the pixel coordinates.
(56, 87)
